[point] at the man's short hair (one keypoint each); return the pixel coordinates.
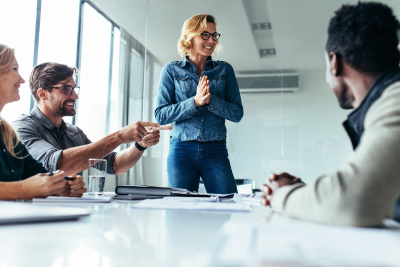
(46, 75)
(365, 37)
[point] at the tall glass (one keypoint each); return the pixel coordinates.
(96, 176)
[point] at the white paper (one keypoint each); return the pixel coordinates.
(204, 206)
(192, 199)
(249, 199)
(84, 199)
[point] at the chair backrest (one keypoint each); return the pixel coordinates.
(245, 186)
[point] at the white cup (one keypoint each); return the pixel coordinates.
(96, 176)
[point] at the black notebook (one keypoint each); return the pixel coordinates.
(149, 190)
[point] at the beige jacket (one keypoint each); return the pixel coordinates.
(363, 191)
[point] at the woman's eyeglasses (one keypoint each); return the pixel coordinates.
(206, 35)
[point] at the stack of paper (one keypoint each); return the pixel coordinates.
(192, 205)
(193, 199)
(84, 199)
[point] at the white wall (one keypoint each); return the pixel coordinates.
(300, 133)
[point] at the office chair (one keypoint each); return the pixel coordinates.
(245, 186)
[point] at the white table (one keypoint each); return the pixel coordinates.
(115, 234)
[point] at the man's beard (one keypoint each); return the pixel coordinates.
(345, 102)
(67, 112)
(345, 98)
(64, 111)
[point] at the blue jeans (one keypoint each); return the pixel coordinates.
(190, 160)
(397, 210)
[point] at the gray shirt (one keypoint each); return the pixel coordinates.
(45, 142)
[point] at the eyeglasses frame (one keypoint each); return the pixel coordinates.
(210, 34)
(63, 88)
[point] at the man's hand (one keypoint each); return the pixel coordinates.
(76, 187)
(43, 185)
(276, 181)
(203, 95)
(153, 136)
(136, 131)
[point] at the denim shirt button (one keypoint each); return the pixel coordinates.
(4, 150)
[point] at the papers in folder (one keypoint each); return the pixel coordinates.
(85, 199)
(191, 205)
(193, 199)
(12, 213)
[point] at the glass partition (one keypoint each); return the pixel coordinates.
(292, 121)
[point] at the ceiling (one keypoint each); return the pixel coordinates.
(298, 29)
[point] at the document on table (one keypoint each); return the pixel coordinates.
(193, 199)
(84, 199)
(249, 199)
(191, 205)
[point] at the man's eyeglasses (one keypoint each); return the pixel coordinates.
(206, 35)
(67, 89)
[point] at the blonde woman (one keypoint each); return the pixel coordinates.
(198, 94)
(21, 176)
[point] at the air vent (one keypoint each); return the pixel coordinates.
(268, 83)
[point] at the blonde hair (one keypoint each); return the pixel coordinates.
(8, 134)
(191, 28)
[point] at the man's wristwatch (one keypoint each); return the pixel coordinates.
(140, 147)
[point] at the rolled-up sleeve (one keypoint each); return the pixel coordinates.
(38, 147)
(110, 162)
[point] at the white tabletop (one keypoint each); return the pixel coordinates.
(115, 234)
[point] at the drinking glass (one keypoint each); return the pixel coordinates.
(96, 176)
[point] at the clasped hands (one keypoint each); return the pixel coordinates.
(203, 96)
(52, 183)
(276, 181)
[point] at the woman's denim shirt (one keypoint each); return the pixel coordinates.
(178, 86)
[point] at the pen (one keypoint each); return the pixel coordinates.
(51, 173)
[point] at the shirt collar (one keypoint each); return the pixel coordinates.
(186, 61)
(44, 120)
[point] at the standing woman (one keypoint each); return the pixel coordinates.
(21, 176)
(199, 94)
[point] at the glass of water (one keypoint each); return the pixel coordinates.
(96, 176)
